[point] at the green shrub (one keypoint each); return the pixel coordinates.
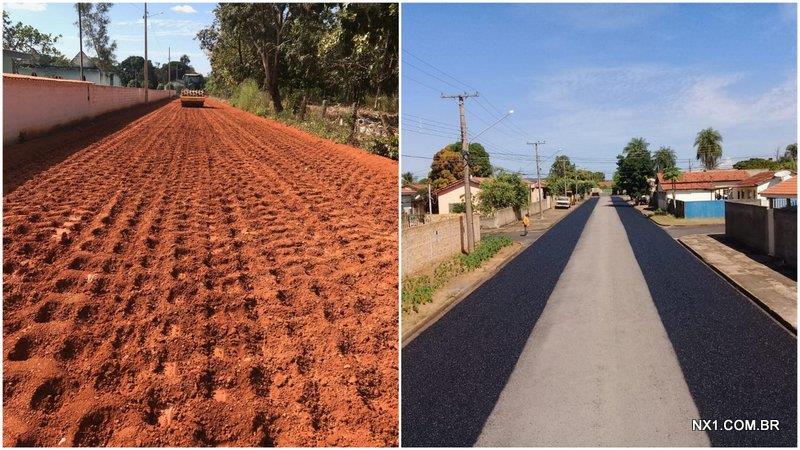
(420, 290)
(249, 97)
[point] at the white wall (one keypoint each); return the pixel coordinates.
(456, 196)
(34, 105)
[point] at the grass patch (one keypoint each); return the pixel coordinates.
(249, 97)
(670, 220)
(419, 290)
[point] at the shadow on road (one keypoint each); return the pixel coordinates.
(23, 161)
(453, 373)
(737, 362)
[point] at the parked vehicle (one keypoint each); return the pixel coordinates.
(596, 192)
(562, 202)
(644, 200)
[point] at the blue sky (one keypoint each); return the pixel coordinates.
(170, 25)
(588, 78)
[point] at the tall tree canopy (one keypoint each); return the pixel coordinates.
(448, 164)
(634, 167)
(562, 167)
(709, 147)
(27, 39)
(663, 159)
(95, 22)
(339, 52)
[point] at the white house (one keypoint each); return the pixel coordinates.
(91, 72)
(698, 186)
(751, 188)
(783, 194)
(451, 196)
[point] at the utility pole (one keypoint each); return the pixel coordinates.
(538, 176)
(430, 200)
(465, 155)
(80, 36)
(146, 82)
(169, 68)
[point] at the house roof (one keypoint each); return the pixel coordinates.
(784, 189)
(474, 181)
(705, 180)
(757, 179)
(88, 62)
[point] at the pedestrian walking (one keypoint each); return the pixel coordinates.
(525, 222)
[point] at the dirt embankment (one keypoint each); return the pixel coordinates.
(200, 277)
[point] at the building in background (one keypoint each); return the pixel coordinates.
(25, 64)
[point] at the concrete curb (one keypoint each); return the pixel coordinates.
(417, 329)
(764, 307)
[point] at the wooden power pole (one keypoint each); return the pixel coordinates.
(146, 81)
(538, 176)
(465, 155)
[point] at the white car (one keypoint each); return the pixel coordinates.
(562, 202)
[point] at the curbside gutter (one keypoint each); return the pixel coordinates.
(747, 293)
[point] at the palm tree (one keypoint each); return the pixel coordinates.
(709, 147)
(663, 159)
(408, 178)
(672, 174)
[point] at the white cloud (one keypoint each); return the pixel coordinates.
(666, 105)
(186, 9)
(35, 7)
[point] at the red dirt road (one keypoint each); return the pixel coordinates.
(198, 277)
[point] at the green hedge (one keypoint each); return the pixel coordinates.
(419, 290)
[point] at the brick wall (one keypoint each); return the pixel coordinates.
(424, 246)
(35, 105)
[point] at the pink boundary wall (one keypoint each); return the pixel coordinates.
(35, 105)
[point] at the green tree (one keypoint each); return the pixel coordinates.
(562, 167)
(709, 147)
(132, 69)
(761, 163)
(663, 159)
(95, 32)
(791, 152)
(672, 174)
(634, 168)
(408, 178)
(27, 39)
(337, 52)
(448, 164)
(502, 191)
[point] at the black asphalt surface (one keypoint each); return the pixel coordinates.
(738, 363)
(454, 372)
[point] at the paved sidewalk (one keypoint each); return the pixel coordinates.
(774, 291)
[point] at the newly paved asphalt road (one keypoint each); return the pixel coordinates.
(622, 342)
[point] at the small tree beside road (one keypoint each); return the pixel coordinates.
(503, 191)
(672, 174)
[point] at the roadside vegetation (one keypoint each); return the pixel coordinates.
(307, 64)
(419, 290)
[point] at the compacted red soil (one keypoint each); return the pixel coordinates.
(198, 277)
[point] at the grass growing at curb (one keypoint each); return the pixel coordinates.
(667, 220)
(419, 290)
